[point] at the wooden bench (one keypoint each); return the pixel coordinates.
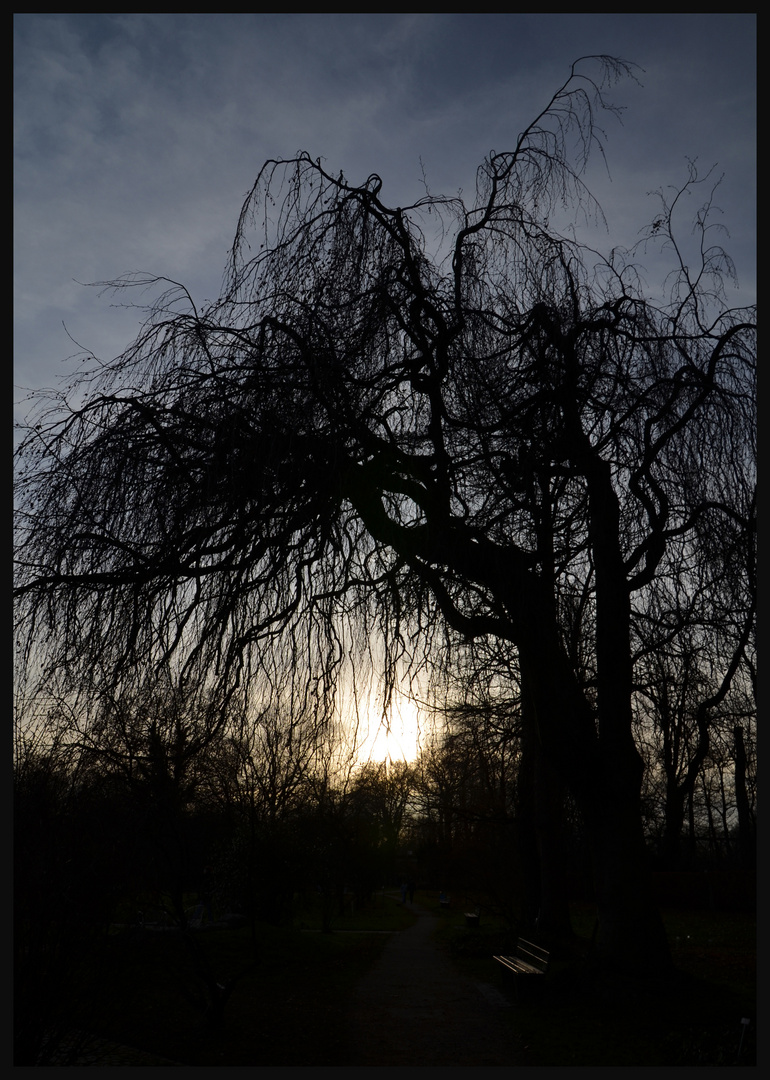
(528, 960)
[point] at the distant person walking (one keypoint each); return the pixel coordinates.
(404, 888)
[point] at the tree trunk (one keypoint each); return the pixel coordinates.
(529, 887)
(631, 934)
(553, 918)
(671, 840)
(746, 845)
(605, 778)
(546, 897)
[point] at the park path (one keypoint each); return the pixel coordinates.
(414, 1008)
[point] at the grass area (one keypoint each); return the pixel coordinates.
(283, 1010)
(694, 1019)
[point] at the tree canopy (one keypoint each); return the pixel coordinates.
(435, 424)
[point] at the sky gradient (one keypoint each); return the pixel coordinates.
(137, 136)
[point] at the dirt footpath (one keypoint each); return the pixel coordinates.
(415, 1008)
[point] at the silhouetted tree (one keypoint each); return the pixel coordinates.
(747, 822)
(66, 877)
(694, 657)
(440, 421)
(381, 794)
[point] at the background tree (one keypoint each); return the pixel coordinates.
(466, 794)
(383, 799)
(439, 422)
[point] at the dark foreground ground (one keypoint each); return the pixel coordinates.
(409, 985)
(414, 1007)
(411, 1006)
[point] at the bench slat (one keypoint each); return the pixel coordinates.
(519, 966)
(529, 959)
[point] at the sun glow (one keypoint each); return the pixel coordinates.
(398, 740)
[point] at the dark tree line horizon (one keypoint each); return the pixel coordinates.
(448, 439)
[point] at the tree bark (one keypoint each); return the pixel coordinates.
(542, 810)
(605, 780)
(746, 844)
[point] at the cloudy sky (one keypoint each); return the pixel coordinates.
(137, 136)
